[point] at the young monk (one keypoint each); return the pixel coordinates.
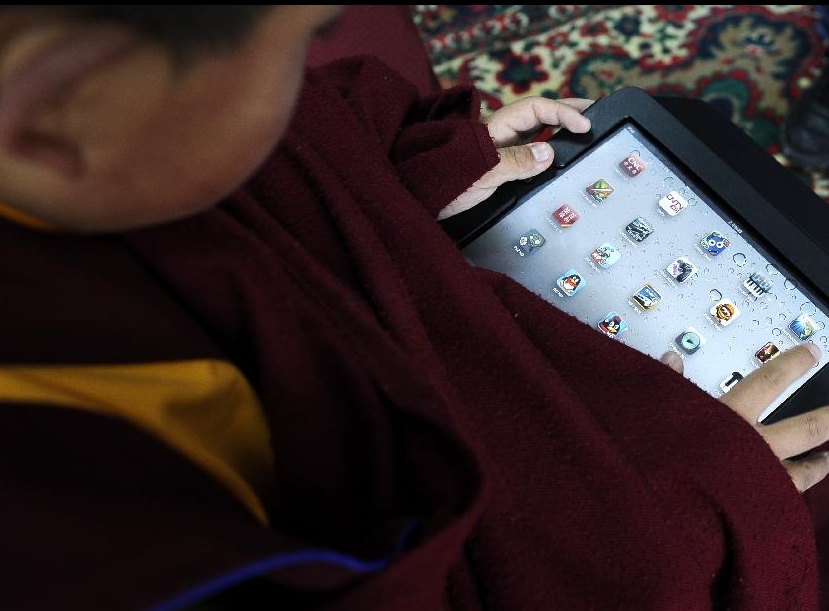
(242, 366)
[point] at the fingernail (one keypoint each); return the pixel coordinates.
(813, 348)
(541, 151)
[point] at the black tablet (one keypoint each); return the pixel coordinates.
(645, 234)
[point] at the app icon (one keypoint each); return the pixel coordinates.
(673, 203)
(528, 243)
(612, 325)
(714, 243)
(725, 312)
(803, 326)
(757, 284)
(600, 190)
(605, 255)
(681, 269)
(647, 297)
(638, 229)
(767, 352)
(690, 340)
(632, 165)
(729, 383)
(571, 282)
(566, 216)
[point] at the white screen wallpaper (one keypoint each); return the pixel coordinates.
(625, 243)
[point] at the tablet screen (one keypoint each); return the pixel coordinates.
(626, 242)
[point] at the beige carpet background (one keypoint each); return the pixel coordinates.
(751, 61)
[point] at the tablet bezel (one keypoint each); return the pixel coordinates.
(789, 236)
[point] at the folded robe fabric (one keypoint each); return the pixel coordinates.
(439, 437)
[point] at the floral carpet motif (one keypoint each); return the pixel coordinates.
(750, 61)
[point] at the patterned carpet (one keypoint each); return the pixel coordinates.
(748, 60)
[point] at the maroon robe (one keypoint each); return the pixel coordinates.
(443, 439)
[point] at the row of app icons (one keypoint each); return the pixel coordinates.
(714, 243)
(606, 255)
(756, 285)
(632, 165)
(640, 228)
(691, 340)
(723, 312)
(637, 230)
(599, 190)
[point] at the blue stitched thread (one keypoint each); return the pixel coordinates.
(282, 561)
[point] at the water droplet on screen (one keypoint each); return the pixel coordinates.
(808, 308)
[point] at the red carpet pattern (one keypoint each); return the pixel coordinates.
(750, 61)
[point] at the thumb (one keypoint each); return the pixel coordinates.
(522, 161)
(516, 162)
(673, 360)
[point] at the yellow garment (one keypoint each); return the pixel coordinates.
(22, 218)
(204, 408)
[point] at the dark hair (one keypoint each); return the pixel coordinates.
(187, 31)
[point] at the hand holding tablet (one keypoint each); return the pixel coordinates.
(662, 247)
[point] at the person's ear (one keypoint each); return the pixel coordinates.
(42, 70)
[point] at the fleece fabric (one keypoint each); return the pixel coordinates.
(441, 438)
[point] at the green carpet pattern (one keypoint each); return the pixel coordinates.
(750, 61)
